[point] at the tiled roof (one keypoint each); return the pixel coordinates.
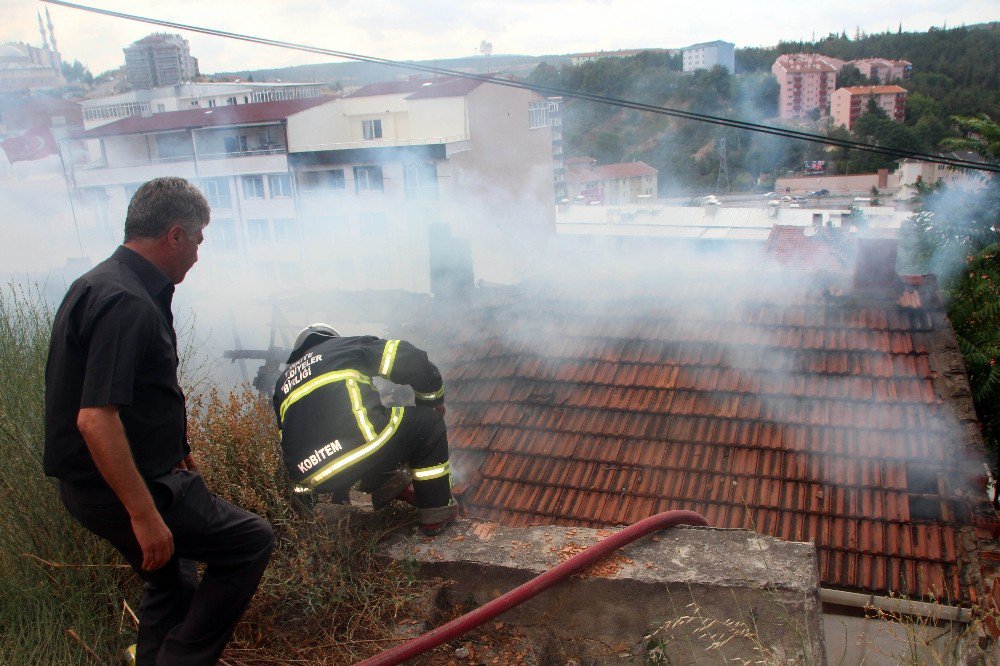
(803, 411)
(577, 173)
(236, 114)
(441, 86)
(874, 90)
(826, 249)
(389, 88)
(456, 87)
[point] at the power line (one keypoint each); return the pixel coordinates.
(553, 91)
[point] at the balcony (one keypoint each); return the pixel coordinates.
(224, 164)
(380, 143)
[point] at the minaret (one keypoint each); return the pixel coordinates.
(52, 32)
(41, 29)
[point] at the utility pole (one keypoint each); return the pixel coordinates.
(723, 180)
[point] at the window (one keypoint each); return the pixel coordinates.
(236, 144)
(211, 103)
(420, 180)
(280, 186)
(217, 192)
(367, 179)
(371, 129)
(538, 115)
(222, 234)
(284, 229)
(231, 101)
(253, 187)
(265, 139)
(258, 231)
(313, 182)
(160, 108)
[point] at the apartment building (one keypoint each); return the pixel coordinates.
(609, 184)
(102, 110)
(159, 60)
(807, 82)
(709, 54)
(346, 192)
(883, 70)
(912, 171)
(849, 104)
(581, 58)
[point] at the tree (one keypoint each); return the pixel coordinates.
(958, 236)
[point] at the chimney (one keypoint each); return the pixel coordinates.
(875, 262)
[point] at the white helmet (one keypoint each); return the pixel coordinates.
(319, 329)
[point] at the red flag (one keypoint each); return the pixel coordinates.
(34, 144)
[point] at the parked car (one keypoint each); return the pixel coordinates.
(711, 200)
(786, 198)
(799, 199)
(819, 193)
(771, 195)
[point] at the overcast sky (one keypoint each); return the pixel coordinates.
(427, 29)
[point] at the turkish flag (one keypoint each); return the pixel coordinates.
(34, 144)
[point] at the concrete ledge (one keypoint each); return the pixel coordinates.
(712, 594)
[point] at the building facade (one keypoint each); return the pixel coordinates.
(807, 82)
(25, 68)
(883, 70)
(159, 60)
(849, 104)
(103, 110)
(349, 192)
(709, 54)
(610, 184)
(581, 58)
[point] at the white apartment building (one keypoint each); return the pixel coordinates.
(347, 192)
(103, 110)
(709, 54)
(807, 82)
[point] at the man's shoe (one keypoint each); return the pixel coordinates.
(394, 488)
(434, 521)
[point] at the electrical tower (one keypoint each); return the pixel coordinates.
(722, 183)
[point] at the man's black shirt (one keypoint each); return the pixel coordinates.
(113, 343)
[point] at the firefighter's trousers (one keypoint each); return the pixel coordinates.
(421, 443)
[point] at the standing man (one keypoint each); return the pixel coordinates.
(335, 431)
(115, 436)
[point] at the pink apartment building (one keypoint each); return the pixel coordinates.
(807, 82)
(849, 104)
(882, 69)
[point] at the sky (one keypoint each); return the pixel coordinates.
(430, 29)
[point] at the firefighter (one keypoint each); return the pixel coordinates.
(335, 431)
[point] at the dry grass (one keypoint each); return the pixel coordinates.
(325, 597)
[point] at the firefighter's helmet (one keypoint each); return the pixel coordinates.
(312, 335)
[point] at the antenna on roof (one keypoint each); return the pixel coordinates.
(486, 48)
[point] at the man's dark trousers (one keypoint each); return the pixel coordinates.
(180, 621)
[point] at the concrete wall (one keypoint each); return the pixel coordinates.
(503, 189)
(861, 183)
(710, 595)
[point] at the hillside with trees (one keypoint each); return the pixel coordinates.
(952, 75)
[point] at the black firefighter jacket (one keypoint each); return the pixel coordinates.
(330, 415)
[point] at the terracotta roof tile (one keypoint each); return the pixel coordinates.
(809, 417)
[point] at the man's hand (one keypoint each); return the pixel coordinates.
(155, 539)
(188, 463)
(441, 410)
(104, 434)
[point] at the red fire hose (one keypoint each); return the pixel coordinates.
(543, 581)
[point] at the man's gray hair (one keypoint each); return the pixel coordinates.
(163, 202)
